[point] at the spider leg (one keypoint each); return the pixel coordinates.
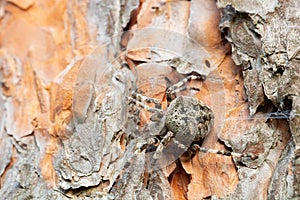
(182, 88)
(196, 147)
(150, 141)
(166, 139)
(181, 85)
(142, 98)
(144, 106)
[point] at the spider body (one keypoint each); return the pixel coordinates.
(186, 120)
(188, 117)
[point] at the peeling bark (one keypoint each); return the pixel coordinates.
(68, 68)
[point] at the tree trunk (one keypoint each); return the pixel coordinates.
(72, 127)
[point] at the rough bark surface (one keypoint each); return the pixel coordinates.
(69, 131)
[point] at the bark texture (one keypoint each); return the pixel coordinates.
(68, 131)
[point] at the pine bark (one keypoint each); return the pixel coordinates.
(68, 131)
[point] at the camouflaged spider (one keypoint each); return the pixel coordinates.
(185, 121)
